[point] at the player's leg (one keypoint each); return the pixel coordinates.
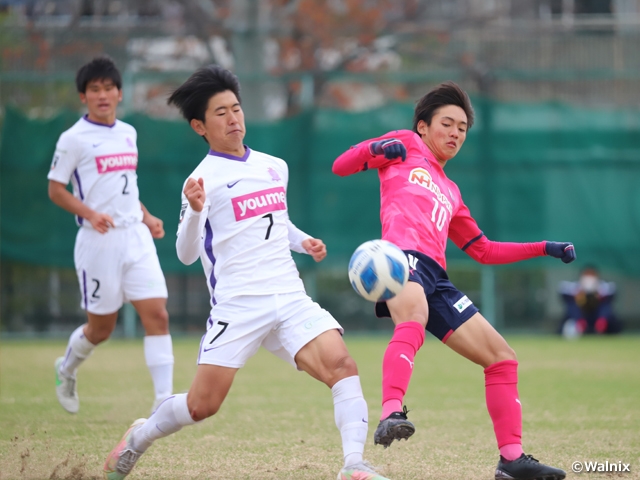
(479, 342)
(97, 259)
(81, 344)
(144, 285)
(208, 390)
(309, 338)
(235, 330)
(409, 311)
(326, 358)
(158, 347)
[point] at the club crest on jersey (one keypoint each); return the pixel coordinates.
(274, 175)
(117, 161)
(259, 203)
(422, 177)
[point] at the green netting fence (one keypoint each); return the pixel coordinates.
(527, 171)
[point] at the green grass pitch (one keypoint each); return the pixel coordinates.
(581, 402)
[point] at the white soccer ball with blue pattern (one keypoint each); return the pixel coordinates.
(378, 270)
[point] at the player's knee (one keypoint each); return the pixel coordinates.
(161, 318)
(202, 409)
(345, 366)
(505, 353)
(157, 321)
(99, 334)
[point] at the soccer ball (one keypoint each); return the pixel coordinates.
(378, 270)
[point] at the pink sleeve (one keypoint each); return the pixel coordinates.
(465, 233)
(359, 157)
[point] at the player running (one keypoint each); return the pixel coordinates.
(234, 218)
(420, 209)
(114, 255)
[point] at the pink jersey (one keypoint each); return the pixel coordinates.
(420, 207)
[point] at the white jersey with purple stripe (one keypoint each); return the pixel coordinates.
(243, 236)
(100, 161)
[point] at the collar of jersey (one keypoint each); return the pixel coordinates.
(86, 117)
(232, 157)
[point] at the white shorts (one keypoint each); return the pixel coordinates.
(118, 266)
(282, 323)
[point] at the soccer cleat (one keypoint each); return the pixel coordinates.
(360, 471)
(66, 389)
(394, 427)
(122, 458)
(526, 467)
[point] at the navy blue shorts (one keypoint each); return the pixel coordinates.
(448, 307)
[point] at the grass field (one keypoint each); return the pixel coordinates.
(581, 403)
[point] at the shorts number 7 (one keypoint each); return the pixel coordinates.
(224, 327)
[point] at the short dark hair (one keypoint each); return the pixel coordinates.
(192, 97)
(100, 68)
(447, 93)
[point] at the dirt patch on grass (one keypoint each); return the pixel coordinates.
(30, 459)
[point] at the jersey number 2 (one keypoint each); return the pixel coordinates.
(126, 184)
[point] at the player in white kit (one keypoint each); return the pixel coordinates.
(234, 218)
(115, 257)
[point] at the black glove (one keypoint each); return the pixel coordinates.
(391, 148)
(562, 250)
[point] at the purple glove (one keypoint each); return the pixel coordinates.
(562, 250)
(391, 148)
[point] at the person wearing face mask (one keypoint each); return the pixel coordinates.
(588, 305)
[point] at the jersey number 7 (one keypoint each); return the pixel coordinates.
(270, 215)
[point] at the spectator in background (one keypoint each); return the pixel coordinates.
(588, 303)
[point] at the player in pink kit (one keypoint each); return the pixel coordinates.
(420, 209)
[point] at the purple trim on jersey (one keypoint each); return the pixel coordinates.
(84, 288)
(209, 323)
(468, 244)
(77, 176)
(86, 117)
(208, 247)
(243, 158)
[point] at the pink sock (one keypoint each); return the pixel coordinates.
(501, 384)
(389, 407)
(511, 452)
(397, 364)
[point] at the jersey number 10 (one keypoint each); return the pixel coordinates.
(441, 215)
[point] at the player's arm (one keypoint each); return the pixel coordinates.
(300, 241)
(296, 237)
(193, 215)
(304, 243)
(65, 161)
(153, 223)
(466, 234)
(373, 153)
(62, 197)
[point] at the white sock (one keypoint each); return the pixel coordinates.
(170, 417)
(352, 417)
(158, 352)
(78, 349)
